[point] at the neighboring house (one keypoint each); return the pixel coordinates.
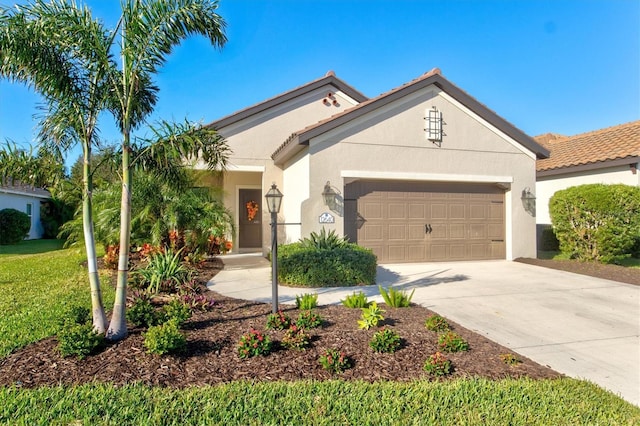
(423, 172)
(26, 199)
(610, 155)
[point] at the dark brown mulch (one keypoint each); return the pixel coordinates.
(599, 270)
(211, 355)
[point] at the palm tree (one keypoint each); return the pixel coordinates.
(149, 30)
(63, 53)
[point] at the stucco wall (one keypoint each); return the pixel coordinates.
(547, 186)
(391, 143)
(295, 181)
(253, 140)
(19, 202)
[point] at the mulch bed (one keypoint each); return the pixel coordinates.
(599, 270)
(211, 355)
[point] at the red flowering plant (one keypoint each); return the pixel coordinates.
(296, 338)
(254, 343)
(438, 365)
(278, 321)
(334, 360)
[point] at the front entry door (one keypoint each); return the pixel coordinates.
(250, 218)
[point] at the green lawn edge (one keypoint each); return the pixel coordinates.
(562, 401)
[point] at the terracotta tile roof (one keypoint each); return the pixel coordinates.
(612, 143)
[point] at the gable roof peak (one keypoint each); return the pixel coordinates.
(330, 73)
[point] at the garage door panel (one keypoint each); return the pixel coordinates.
(414, 222)
(457, 211)
(397, 232)
(416, 231)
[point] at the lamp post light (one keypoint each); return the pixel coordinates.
(274, 201)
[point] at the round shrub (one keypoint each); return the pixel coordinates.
(79, 340)
(596, 222)
(305, 266)
(164, 339)
(14, 226)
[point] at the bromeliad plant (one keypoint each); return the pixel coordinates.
(371, 316)
(356, 300)
(165, 270)
(254, 343)
(278, 321)
(396, 298)
(307, 301)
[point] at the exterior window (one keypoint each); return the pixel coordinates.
(30, 214)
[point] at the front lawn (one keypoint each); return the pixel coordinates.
(38, 279)
(333, 402)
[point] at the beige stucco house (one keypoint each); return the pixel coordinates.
(610, 155)
(423, 172)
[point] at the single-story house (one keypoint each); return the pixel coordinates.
(423, 172)
(26, 199)
(610, 155)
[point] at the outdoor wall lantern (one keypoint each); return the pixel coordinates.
(330, 196)
(274, 201)
(529, 201)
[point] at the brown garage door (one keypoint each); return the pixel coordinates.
(417, 222)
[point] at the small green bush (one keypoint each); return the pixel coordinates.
(176, 311)
(356, 300)
(14, 226)
(254, 343)
(307, 301)
(278, 321)
(164, 339)
(452, 342)
(75, 314)
(437, 365)
(371, 316)
(308, 320)
(596, 222)
(347, 265)
(334, 360)
(396, 298)
(510, 359)
(79, 340)
(142, 313)
(385, 340)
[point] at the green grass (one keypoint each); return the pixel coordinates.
(459, 402)
(31, 247)
(38, 280)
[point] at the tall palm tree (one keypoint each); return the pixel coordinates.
(63, 53)
(148, 30)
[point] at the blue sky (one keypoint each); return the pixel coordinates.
(564, 66)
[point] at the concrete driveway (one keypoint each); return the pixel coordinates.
(581, 326)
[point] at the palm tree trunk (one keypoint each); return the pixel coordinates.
(99, 317)
(118, 325)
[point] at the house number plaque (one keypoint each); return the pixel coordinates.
(326, 218)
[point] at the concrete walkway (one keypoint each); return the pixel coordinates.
(581, 326)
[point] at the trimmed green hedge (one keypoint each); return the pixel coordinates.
(339, 266)
(596, 222)
(14, 226)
